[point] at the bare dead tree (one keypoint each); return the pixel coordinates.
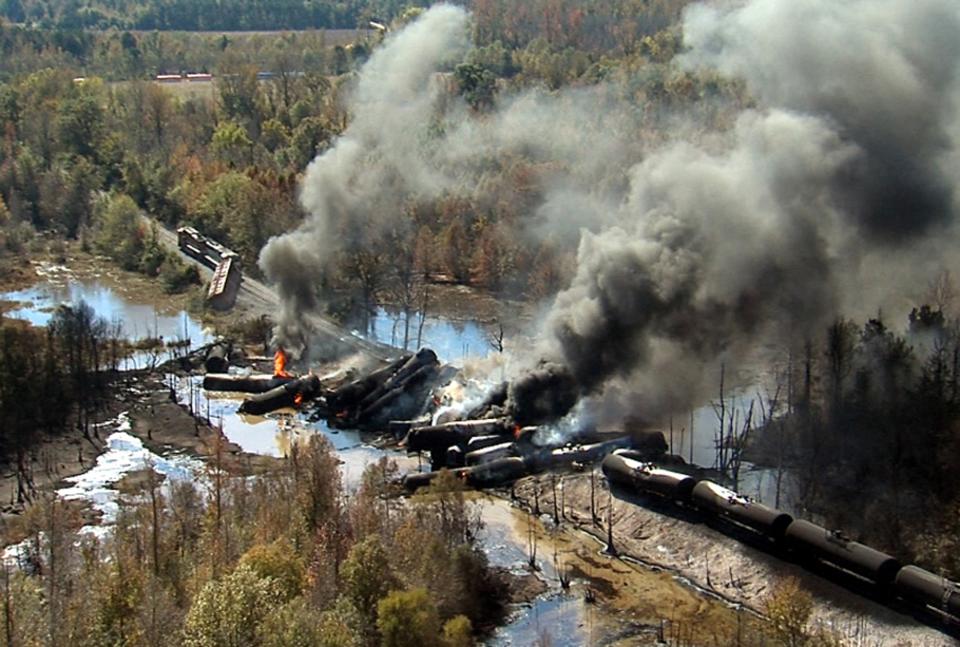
(941, 291)
(593, 500)
(610, 549)
(531, 543)
(720, 409)
(495, 338)
(424, 302)
(553, 490)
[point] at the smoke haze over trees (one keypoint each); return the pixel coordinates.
(703, 242)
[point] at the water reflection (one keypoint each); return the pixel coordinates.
(275, 433)
(136, 320)
(560, 618)
(695, 439)
(453, 341)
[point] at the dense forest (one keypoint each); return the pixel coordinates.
(198, 16)
(598, 25)
(228, 161)
(868, 430)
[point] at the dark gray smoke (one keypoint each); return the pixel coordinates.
(882, 73)
(722, 250)
(833, 194)
(847, 164)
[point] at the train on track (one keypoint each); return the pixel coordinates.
(803, 541)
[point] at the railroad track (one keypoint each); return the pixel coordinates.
(260, 299)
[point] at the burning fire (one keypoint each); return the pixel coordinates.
(517, 429)
(280, 364)
(298, 400)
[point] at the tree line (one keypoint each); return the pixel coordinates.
(868, 434)
(232, 15)
(121, 55)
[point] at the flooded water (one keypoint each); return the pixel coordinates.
(453, 341)
(560, 620)
(275, 433)
(695, 439)
(558, 617)
(136, 319)
(124, 454)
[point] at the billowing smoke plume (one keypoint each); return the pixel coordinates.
(404, 144)
(882, 73)
(829, 196)
(359, 183)
(848, 163)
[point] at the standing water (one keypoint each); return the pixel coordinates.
(452, 341)
(136, 320)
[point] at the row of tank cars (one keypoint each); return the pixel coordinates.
(805, 542)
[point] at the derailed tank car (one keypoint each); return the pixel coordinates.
(495, 473)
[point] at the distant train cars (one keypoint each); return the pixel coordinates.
(802, 541)
(225, 263)
(189, 77)
(206, 250)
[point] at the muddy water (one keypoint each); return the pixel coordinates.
(558, 617)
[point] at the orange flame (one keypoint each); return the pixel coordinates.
(280, 364)
(516, 431)
(298, 400)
